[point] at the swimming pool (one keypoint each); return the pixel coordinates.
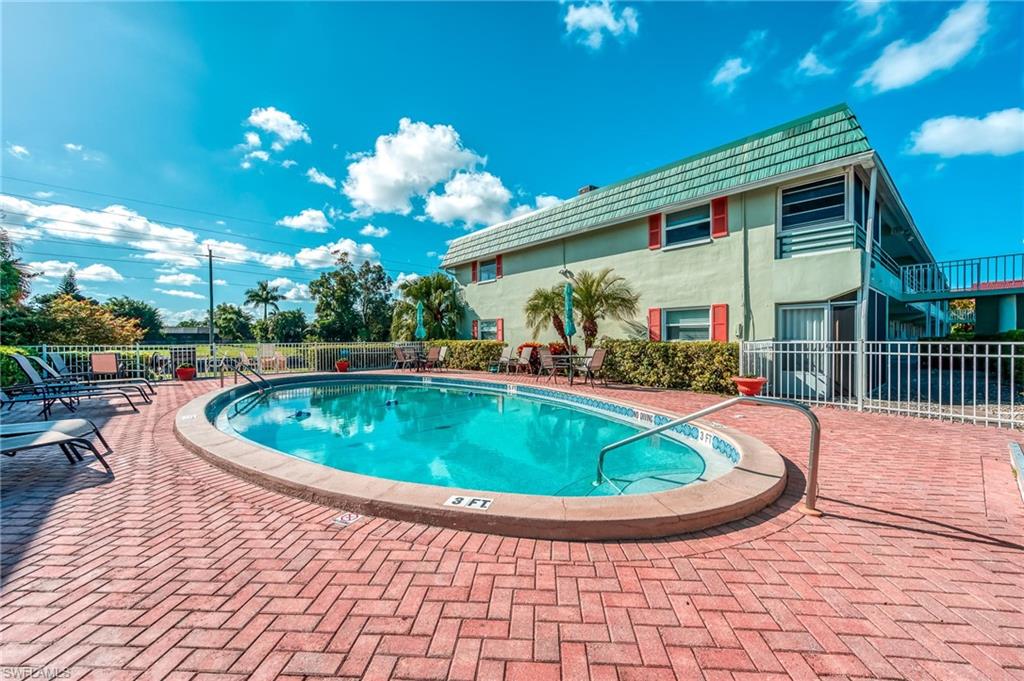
(478, 454)
(463, 437)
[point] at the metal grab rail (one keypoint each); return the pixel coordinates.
(240, 367)
(811, 491)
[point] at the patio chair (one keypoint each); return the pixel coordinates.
(433, 354)
(442, 358)
(522, 361)
(547, 364)
(55, 372)
(503, 361)
(594, 365)
(75, 427)
(47, 401)
(66, 392)
(69, 444)
(53, 377)
(402, 361)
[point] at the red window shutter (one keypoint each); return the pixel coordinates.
(497, 267)
(475, 276)
(476, 327)
(720, 217)
(720, 322)
(654, 231)
(654, 323)
(500, 323)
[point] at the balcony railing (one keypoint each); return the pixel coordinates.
(969, 275)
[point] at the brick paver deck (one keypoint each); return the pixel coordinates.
(177, 570)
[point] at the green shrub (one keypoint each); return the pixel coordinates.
(10, 373)
(702, 366)
(470, 354)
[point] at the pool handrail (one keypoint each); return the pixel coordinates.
(240, 368)
(811, 491)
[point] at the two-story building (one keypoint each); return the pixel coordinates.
(761, 238)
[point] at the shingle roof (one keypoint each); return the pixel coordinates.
(821, 137)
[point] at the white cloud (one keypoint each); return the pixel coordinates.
(401, 279)
(541, 202)
(98, 272)
(729, 72)
(220, 282)
(404, 164)
(376, 232)
(999, 133)
(902, 64)
(324, 256)
(811, 65)
(288, 163)
(593, 19)
(43, 195)
(17, 151)
(316, 177)
(82, 152)
(180, 293)
(234, 252)
(173, 317)
(70, 146)
(309, 220)
(290, 290)
(180, 279)
(258, 155)
(474, 198)
(51, 268)
(252, 141)
(280, 124)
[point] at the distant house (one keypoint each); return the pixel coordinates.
(781, 235)
(186, 335)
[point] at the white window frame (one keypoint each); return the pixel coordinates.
(691, 242)
(480, 328)
(665, 325)
(846, 218)
(480, 271)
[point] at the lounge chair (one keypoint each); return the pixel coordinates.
(107, 364)
(523, 361)
(47, 401)
(503, 361)
(442, 358)
(68, 443)
(593, 366)
(69, 393)
(52, 375)
(433, 355)
(75, 427)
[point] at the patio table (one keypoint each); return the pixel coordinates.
(569, 362)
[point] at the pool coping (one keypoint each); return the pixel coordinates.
(757, 480)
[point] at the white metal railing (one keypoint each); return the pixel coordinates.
(961, 316)
(160, 361)
(977, 382)
(967, 275)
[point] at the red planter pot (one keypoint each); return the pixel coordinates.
(185, 373)
(341, 365)
(749, 387)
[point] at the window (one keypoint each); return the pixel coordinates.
(687, 325)
(488, 270)
(814, 204)
(685, 226)
(488, 329)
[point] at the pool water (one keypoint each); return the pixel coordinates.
(456, 437)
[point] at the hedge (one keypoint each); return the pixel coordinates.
(476, 355)
(10, 373)
(702, 366)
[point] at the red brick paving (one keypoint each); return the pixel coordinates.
(177, 570)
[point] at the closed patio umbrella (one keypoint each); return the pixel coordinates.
(421, 332)
(570, 326)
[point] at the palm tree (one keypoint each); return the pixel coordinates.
(264, 294)
(544, 307)
(442, 307)
(602, 295)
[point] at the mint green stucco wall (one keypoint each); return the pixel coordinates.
(692, 276)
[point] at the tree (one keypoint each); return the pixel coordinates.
(264, 294)
(67, 321)
(443, 307)
(68, 285)
(373, 302)
(289, 326)
(232, 323)
(15, 278)
(335, 295)
(545, 307)
(148, 316)
(192, 323)
(602, 295)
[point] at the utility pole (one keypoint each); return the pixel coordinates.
(209, 260)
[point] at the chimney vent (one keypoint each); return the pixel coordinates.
(586, 188)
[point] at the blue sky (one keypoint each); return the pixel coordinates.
(285, 131)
